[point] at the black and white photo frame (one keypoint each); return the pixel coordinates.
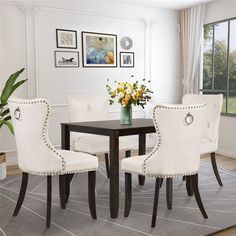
(66, 59)
(127, 59)
(66, 38)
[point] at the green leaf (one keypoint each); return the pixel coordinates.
(4, 113)
(7, 118)
(8, 124)
(2, 105)
(15, 86)
(9, 84)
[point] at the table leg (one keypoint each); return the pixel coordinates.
(142, 151)
(65, 144)
(114, 174)
(65, 137)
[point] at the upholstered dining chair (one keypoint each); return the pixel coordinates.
(37, 155)
(84, 108)
(176, 153)
(209, 143)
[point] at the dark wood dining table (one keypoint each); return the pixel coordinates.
(114, 130)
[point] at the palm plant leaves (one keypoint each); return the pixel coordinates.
(9, 88)
(8, 124)
(5, 112)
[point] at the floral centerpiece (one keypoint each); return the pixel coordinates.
(128, 94)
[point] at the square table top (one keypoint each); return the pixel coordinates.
(104, 127)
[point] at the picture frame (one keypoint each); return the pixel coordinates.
(66, 38)
(66, 59)
(99, 49)
(127, 59)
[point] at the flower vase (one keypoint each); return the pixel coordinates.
(126, 115)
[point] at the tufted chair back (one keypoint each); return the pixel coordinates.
(88, 107)
(35, 152)
(177, 152)
(212, 112)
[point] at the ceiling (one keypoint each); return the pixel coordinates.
(168, 4)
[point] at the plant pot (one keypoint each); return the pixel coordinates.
(3, 169)
(126, 115)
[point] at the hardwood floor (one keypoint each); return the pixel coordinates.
(222, 161)
(13, 170)
(228, 232)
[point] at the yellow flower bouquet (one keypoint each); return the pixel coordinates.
(127, 93)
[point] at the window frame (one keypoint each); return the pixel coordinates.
(227, 90)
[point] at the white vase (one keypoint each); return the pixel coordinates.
(3, 169)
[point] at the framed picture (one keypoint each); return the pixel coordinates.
(66, 38)
(66, 59)
(126, 59)
(99, 50)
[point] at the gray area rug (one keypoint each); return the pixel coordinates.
(184, 219)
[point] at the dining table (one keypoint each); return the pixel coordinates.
(113, 129)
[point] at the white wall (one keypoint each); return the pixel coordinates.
(220, 10)
(27, 39)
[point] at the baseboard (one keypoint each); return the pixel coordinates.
(11, 157)
(226, 153)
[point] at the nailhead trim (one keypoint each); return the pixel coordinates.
(59, 172)
(158, 144)
(45, 139)
(163, 176)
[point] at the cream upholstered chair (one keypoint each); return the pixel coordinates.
(92, 108)
(209, 143)
(37, 156)
(176, 153)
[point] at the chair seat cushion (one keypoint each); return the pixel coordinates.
(97, 144)
(133, 164)
(133, 141)
(207, 146)
(78, 161)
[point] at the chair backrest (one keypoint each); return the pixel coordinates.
(212, 112)
(88, 107)
(30, 119)
(179, 130)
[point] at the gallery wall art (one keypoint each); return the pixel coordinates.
(66, 38)
(126, 59)
(99, 50)
(66, 59)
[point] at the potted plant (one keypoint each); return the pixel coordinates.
(5, 117)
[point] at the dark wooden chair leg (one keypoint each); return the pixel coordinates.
(161, 182)
(169, 192)
(128, 153)
(24, 183)
(128, 193)
(189, 186)
(69, 178)
(107, 165)
(194, 181)
(155, 204)
(62, 190)
(141, 180)
(91, 193)
(49, 201)
(215, 169)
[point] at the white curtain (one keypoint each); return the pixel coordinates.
(191, 23)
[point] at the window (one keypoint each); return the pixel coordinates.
(219, 62)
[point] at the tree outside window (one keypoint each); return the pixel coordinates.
(219, 62)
